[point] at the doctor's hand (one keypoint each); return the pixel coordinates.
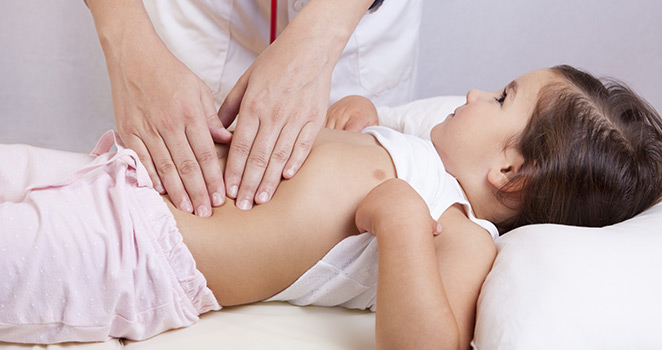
(280, 103)
(352, 113)
(162, 110)
(165, 113)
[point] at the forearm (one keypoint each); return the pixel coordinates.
(325, 26)
(124, 29)
(413, 308)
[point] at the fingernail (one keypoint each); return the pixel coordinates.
(186, 206)
(232, 192)
(203, 211)
(159, 188)
(438, 230)
(263, 197)
(288, 173)
(217, 199)
(244, 204)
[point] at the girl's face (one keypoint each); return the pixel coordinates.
(471, 140)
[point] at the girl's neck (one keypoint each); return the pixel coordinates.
(484, 202)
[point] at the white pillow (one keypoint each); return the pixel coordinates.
(419, 117)
(562, 287)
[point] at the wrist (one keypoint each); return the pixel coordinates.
(334, 21)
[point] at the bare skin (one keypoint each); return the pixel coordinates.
(248, 256)
(428, 284)
(166, 113)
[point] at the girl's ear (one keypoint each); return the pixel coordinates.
(505, 169)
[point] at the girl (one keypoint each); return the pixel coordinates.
(99, 254)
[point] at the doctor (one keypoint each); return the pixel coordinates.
(173, 63)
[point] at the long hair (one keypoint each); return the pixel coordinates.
(592, 154)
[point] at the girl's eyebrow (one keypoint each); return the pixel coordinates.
(512, 86)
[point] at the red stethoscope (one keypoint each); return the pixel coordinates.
(274, 10)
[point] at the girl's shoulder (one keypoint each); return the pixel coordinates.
(459, 229)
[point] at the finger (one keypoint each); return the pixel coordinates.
(211, 169)
(189, 171)
(232, 103)
(330, 118)
(167, 170)
(256, 165)
(240, 148)
(339, 121)
(279, 156)
(330, 123)
(437, 228)
(301, 149)
(217, 130)
(205, 153)
(136, 144)
(355, 124)
(336, 123)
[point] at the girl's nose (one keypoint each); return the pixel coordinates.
(474, 95)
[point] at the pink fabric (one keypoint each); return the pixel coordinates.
(88, 250)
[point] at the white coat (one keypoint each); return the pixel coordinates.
(219, 39)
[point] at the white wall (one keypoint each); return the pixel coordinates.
(484, 44)
(54, 91)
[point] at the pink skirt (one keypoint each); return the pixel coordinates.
(89, 250)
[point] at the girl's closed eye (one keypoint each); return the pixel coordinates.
(502, 98)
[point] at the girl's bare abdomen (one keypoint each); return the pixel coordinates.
(251, 255)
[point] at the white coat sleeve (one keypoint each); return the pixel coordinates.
(420, 116)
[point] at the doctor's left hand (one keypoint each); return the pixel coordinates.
(280, 102)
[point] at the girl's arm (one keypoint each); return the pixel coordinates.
(351, 113)
(427, 286)
(415, 118)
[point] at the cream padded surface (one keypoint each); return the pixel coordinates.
(272, 325)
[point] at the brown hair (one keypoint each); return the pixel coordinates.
(593, 154)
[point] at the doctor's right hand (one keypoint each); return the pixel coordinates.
(166, 114)
(163, 111)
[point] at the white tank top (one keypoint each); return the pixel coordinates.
(347, 275)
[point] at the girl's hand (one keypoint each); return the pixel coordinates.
(351, 113)
(394, 206)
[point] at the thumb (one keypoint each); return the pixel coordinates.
(216, 129)
(230, 107)
(218, 132)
